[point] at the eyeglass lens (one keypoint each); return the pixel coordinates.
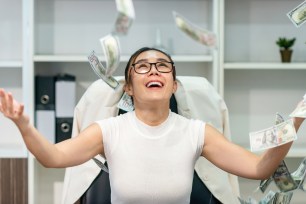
(145, 67)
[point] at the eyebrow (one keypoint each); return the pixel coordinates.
(158, 60)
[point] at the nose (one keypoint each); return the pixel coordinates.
(154, 71)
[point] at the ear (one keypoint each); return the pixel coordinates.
(128, 89)
(174, 86)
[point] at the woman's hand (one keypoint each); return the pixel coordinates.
(11, 108)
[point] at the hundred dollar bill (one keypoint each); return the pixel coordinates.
(125, 18)
(299, 174)
(302, 185)
(126, 103)
(100, 71)
(300, 111)
(264, 184)
(268, 198)
(279, 119)
(283, 178)
(100, 164)
(196, 33)
(282, 198)
(298, 14)
(110, 46)
(273, 136)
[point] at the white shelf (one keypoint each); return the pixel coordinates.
(124, 58)
(10, 64)
(265, 65)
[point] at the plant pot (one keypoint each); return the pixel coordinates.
(286, 55)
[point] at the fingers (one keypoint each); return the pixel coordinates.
(10, 107)
(4, 102)
(7, 105)
(2, 96)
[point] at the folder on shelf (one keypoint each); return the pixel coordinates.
(65, 99)
(45, 106)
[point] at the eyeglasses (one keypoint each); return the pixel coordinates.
(145, 67)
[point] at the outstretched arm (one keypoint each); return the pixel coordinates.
(237, 160)
(64, 154)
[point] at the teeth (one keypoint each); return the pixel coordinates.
(154, 83)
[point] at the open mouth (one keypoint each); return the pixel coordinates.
(154, 84)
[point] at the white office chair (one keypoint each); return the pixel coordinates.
(195, 98)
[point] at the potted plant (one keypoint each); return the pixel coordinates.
(285, 45)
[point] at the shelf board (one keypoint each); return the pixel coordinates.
(265, 65)
(124, 58)
(10, 64)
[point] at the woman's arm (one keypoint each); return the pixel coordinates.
(64, 154)
(237, 160)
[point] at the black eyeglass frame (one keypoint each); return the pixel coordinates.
(151, 63)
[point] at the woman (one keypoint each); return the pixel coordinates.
(151, 152)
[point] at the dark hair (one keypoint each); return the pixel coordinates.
(136, 54)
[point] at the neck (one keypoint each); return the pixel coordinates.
(152, 116)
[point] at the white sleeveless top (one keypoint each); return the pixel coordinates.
(151, 164)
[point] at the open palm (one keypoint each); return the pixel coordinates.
(10, 107)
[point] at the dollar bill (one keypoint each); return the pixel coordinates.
(268, 198)
(264, 184)
(302, 185)
(282, 197)
(110, 46)
(100, 164)
(283, 179)
(300, 110)
(198, 34)
(125, 18)
(299, 173)
(99, 69)
(274, 136)
(126, 103)
(279, 119)
(298, 14)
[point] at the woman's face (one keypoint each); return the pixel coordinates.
(153, 86)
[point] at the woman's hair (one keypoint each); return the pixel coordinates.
(136, 54)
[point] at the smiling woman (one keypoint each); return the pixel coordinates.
(155, 147)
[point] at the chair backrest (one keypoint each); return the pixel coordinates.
(195, 98)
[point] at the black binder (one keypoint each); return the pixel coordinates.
(45, 106)
(65, 99)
